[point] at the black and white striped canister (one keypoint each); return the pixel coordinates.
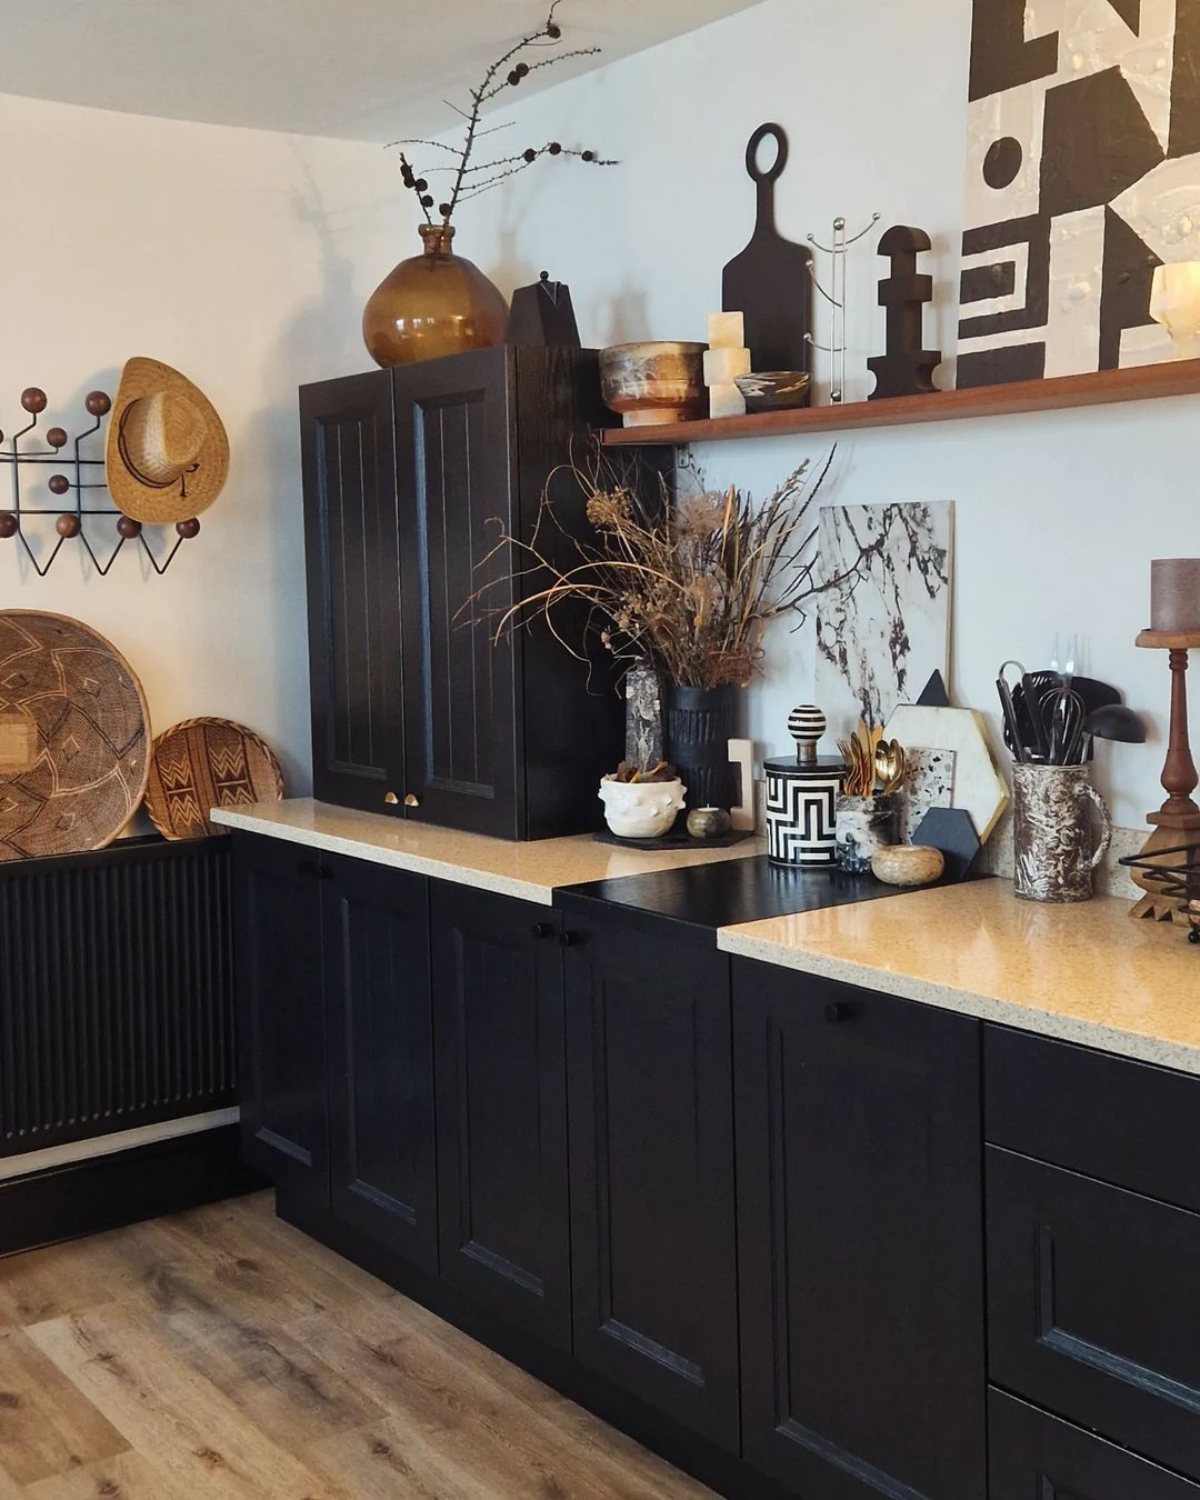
(806, 725)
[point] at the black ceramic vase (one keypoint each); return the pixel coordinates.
(700, 724)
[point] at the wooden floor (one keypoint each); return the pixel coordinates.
(221, 1355)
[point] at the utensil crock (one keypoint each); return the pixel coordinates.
(1055, 848)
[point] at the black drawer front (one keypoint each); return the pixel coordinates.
(1094, 1305)
(1037, 1457)
(1127, 1122)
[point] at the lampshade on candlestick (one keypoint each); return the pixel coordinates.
(1175, 617)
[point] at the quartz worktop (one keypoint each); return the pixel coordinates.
(528, 871)
(1086, 973)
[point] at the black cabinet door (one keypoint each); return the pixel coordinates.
(651, 1152)
(860, 1240)
(1094, 1304)
(1033, 1456)
(456, 467)
(353, 562)
(384, 1165)
(502, 1108)
(281, 1013)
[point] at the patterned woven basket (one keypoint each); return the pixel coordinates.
(200, 764)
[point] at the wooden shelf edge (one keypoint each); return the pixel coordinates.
(1103, 387)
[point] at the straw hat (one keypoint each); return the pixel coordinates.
(167, 456)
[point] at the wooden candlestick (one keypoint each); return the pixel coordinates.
(1177, 822)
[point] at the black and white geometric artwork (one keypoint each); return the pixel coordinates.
(1083, 175)
(801, 808)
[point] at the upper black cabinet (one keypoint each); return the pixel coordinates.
(859, 1240)
(409, 476)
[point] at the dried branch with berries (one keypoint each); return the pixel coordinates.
(470, 177)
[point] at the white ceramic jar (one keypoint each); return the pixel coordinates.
(641, 809)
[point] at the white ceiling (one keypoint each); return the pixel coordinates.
(359, 69)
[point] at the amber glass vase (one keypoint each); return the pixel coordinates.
(434, 304)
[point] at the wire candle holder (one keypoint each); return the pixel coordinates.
(836, 297)
(72, 523)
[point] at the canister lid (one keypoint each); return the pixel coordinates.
(823, 767)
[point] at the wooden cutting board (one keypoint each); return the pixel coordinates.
(770, 282)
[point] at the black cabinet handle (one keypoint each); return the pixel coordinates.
(838, 1010)
(542, 930)
(568, 939)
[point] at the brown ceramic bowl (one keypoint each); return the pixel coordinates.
(775, 390)
(652, 383)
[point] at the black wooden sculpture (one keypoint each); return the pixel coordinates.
(906, 369)
(543, 314)
(770, 282)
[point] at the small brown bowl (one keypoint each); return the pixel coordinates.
(653, 383)
(775, 390)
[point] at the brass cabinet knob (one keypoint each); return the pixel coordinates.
(391, 799)
(411, 801)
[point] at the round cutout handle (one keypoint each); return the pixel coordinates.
(775, 170)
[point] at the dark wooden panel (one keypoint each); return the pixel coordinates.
(1127, 1122)
(353, 561)
(456, 458)
(859, 1240)
(502, 1107)
(651, 1156)
(383, 1156)
(1037, 1457)
(116, 991)
(574, 717)
(281, 1013)
(106, 1192)
(1094, 1305)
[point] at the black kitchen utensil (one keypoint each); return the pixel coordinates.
(770, 282)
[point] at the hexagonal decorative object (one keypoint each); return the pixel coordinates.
(979, 788)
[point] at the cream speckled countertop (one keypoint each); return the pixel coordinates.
(1086, 973)
(529, 871)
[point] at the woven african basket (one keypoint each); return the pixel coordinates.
(74, 737)
(205, 763)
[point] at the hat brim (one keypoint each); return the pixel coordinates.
(162, 505)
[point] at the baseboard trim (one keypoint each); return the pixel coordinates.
(107, 1192)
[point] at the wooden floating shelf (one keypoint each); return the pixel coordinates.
(1103, 387)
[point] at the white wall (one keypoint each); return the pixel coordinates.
(1058, 514)
(243, 258)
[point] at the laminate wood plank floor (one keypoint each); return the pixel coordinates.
(222, 1355)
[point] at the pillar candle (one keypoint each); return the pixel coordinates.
(723, 366)
(1175, 594)
(726, 330)
(726, 401)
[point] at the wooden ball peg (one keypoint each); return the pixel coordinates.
(98, 403)
(57, 437)
(9, 524)
(188, 529)
(58, 484)
(33, 400)
(67, 525)
(128, 528)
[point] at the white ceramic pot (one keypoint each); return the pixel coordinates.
(641, 809)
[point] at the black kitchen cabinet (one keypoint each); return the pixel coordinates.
(502, 1107)
(409, 476)
(281, 1013)
(1034, 1456)
(654, 1263)
(383, 1163)
(859, 1240)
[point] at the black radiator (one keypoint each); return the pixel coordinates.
(116, 994)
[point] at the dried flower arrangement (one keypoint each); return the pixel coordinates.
(472, 178)
(690, 585)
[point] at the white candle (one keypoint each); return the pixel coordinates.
(726, 330)
(723, 366)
